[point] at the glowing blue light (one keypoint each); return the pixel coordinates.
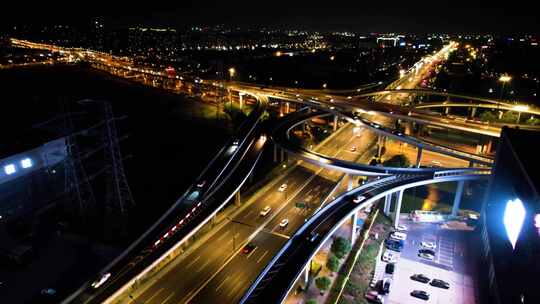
(514, 216)
(26, 163)
(10, 169)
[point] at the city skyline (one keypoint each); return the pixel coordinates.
(422, 17)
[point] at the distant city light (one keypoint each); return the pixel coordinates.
(10, 169)
(26, 163)
(505, 78)
(514, 216)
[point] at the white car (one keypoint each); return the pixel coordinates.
(426, 256)
(101, 280)
(398, 236)
(265, 211)
(389, 257)
(429, 245)
(401, 228)
(358, 199)
(284, 223)
(282, 188)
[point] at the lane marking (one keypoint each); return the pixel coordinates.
(203, 265)
(193, 261)
(167, 299)
(223, 235)
(150, 299)
(223, 282)
(262, 256)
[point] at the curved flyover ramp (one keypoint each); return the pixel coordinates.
(280, 275)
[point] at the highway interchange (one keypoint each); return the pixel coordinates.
(217, 269)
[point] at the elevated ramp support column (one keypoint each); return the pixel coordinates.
(335, 122)
(457, 198)
(354, 219)
(350, 182)
(387, 204)
(398, 208)
(418, 157)
(237, 200)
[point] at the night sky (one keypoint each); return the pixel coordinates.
(362, 16)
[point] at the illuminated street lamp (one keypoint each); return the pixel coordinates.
(232, 72)
(514, 216)
(504, 79)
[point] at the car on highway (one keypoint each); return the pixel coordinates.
(428, 245)
(249, 248)
(398, 236)
(282, 188)
(353, 149)
(401, 228)
(284, 223)
(358, 199)
(373, 297)
(201, 184)
(420, 278)
(265, 211)
(101, 280)
(236, 142)
(313, 236)
(389, 257)
(389, 268)
(420, 294)
(440, 283)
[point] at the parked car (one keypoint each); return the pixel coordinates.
(389, 268)
(401, 228)
(420, 294)
(420, 278)
(395, 245)
(398, 236)
(428, 245)
(389, 257)
(427, 256)
(439, 283)
(373, 297)
(385, 285)
(427, 251)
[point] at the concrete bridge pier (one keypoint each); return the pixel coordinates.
(354, 220)
(350, 182)
(457, 198)
(398, 208)
(473, 111)
(240, 101)
(387, 204)
(237, 200)
(418, 157)
(335, 122)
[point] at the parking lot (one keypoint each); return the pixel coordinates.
(449, 264)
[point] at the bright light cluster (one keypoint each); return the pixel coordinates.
(514, 216)
(10, 169)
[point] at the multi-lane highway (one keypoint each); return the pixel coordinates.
(220, 269)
